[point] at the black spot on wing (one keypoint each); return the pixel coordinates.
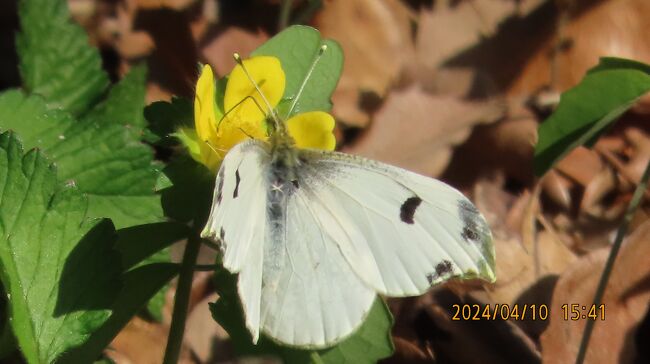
(220, 185)
(469, 234)
(472, 223)
(407, 210)
(235, 193)
(442, 269)
(295, 183)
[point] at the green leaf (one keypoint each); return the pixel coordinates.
(606, 92)
(142, 244)
(105, 160)
(189, 197)
(124, 103)
(60, 270)
(56, 60)
(145, 244)
(369, 344)
(139, 285)
(165, 118)
(297, 47)
(7, 339)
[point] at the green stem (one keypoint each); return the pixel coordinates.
(308, 12)
(609, 265)
(182, 300)
(285, 11)
(204, 267)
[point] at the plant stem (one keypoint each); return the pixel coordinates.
(204, 267)
(307, 12)
(182, 300)
(609, 265)
(285, 11)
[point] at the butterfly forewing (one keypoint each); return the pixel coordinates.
(238, 218)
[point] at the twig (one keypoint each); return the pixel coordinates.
(609, 265)
(620, 167)
(285, 11)
(182, 300)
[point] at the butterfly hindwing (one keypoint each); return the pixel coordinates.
(311, 297)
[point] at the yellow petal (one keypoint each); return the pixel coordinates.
(313, 130)
(268, 74)
(199, 150)
(204, 106)
(231, 134)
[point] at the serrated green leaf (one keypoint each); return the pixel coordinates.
(297, 47)
(124, 103)
(190, 196)
(7, 339)
(604, 94)
(139, 285)
(165, 118)
(140, 245)
(369, 344)
(56, 60)
(105, 160)
(146, 244)
(46, 241)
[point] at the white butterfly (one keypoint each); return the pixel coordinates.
(315, 235)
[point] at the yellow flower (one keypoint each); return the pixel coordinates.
(245, 116)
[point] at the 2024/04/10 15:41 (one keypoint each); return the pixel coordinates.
(576, 311)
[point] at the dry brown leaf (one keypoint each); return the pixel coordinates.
(611, 27)
(640, 142)
(142, 342)
(172, 4)
(407, 352)
(490, 341)
(204, 336)
(597, 188)
(626, 304)
(118, 31)
(376, 40)
(451, 27)
(83, 11)
(519, 265)
(172, 64)
(417, 131)
(219, 50)
(581, 164)
(557, 188)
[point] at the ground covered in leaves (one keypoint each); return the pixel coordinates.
(453, 89)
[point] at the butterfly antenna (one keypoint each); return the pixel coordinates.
(216, 150)
(237, 104)
(239, 61)
(245, 133)
(317, 58)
